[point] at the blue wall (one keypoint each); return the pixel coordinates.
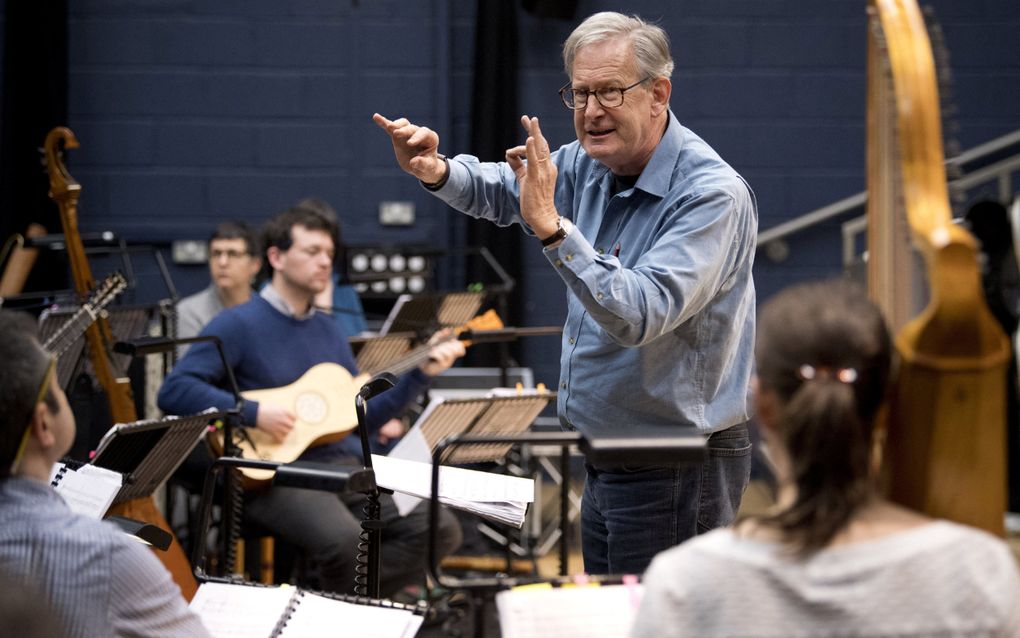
(190, 111)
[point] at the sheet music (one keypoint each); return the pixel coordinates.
(314, 614)
(89, 490)
(503, 498)
(605, 611)
(236, 611)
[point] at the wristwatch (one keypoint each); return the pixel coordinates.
(563, 228)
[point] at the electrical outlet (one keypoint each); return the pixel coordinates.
(396, 213)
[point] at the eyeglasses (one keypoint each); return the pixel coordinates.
(231, 254)
(44, 385)
(609, 97)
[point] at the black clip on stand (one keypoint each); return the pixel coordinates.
(368, 560)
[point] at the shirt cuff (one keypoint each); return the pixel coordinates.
(574, 253)
(249, 411)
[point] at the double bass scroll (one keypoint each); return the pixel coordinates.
(65, 191)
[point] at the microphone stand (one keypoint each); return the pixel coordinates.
(368, 563)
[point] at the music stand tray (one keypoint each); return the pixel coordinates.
(426, 313)
(148, 452)
(374, 354)
(489, 415)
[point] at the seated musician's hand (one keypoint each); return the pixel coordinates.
(391, 430)
(275, 421)
(443, 353)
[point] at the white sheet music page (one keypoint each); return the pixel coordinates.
(593, 612)
(504, 498)
(236, 611)
(89, 490)
(316, 616)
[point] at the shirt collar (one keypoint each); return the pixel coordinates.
(273, 297)
(658, 173)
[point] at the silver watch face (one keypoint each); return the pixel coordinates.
(566, 225)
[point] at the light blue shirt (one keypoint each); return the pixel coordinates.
(96, 580)
(661, 305)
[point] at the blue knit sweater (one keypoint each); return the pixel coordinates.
(267, 349)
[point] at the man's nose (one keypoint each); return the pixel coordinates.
(592, 106)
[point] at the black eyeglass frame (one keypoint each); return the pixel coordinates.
(572, 105)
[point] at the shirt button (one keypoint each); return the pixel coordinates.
(563, 385)
(559, 263)
(600, 251)
(599, 296)
(570, 340)
(569, 257)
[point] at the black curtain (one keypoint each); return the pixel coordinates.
(495, 127)
(34, 101)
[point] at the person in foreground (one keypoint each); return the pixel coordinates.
(833, 558)
(653, 235)
(271, 341)
(96, 580)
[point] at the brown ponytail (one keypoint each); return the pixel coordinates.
(833, 331)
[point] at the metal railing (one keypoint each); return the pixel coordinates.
(994, 161)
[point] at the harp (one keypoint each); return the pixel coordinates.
(944, 451)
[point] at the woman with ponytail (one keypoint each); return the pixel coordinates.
(833, 558)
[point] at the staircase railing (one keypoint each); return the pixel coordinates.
(995, 161)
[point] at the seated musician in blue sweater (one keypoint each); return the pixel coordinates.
(271, 341)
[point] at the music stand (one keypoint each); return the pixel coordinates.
(148, 452)
(425, 313)
(126, 322)
(490, 415)
(374, 354)
(686, 446)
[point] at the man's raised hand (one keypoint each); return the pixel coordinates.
(537, 179)
(415, 147)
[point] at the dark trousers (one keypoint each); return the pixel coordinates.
(326, 527)
(630, 514)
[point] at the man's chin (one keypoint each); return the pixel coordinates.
(598, 147)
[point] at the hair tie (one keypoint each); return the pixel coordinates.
(843, 375)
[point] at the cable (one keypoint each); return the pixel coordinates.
(370, 524)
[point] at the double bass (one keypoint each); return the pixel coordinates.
(65, 191)
(944, 450)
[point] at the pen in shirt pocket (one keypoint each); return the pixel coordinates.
(616, 251)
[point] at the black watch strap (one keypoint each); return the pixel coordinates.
(561, 233)
(446, 176)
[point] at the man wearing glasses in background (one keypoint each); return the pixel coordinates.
(234, 260)
(654, 236)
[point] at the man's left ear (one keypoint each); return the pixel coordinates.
(661, 90)
(42, 429)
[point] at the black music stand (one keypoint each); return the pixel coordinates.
(231, 418)
(685, 445)
(148, 452)
(489, 415)
(424, 314)
(374, 354)
(125, 322)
